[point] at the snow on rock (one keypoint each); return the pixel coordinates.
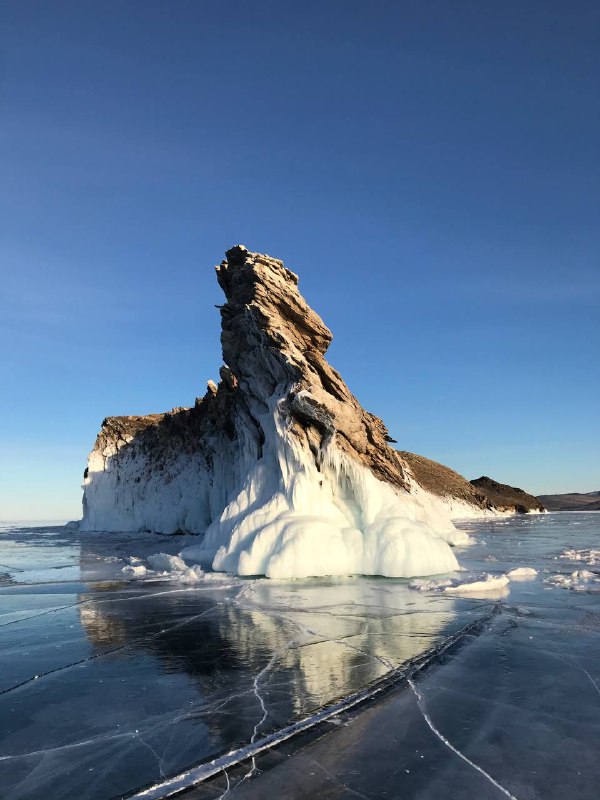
(293, 520)
(278, 468)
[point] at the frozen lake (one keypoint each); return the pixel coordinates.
(110, 683)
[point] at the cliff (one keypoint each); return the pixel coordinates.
(278, 467)
(508, 498)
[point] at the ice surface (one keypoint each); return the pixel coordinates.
(511, 712)
(109, 685)
(123, 684)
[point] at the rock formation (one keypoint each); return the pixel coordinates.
(278, 467)
(461, 496)
(508, 498)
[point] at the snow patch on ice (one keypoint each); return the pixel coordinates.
(587, 555)
(164, 566)
(486, 585)
(521, 574)
(581, 580)
(491, 585)
(175, 568)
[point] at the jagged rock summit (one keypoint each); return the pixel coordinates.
(278, 467)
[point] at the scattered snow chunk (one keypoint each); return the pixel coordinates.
(521, 574)
(191, 575)
(162, 562)
(135, 571)
(491, 585)
(588, 556)
(585, 574)
(577, 581)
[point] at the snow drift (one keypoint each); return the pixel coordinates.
(278, 468)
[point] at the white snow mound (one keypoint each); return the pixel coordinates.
(521, 574)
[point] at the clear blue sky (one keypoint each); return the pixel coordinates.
(430, 169)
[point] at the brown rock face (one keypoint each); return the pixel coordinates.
(445, 482)
(507, 498)
(273, 340)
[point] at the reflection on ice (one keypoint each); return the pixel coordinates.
(322, 639)
(138, 680)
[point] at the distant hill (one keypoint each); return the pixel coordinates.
(483, 493)
(575, 501)
(508, 498)
(444, 482)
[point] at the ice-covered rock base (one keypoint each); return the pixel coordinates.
(291, 519)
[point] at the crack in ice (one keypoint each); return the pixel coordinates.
(265, 711)
(338, 782)
(98, 601)
(442, 738)
(226, 792)
(204, 771)
(158, 758)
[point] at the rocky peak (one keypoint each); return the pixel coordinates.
(272, 339)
